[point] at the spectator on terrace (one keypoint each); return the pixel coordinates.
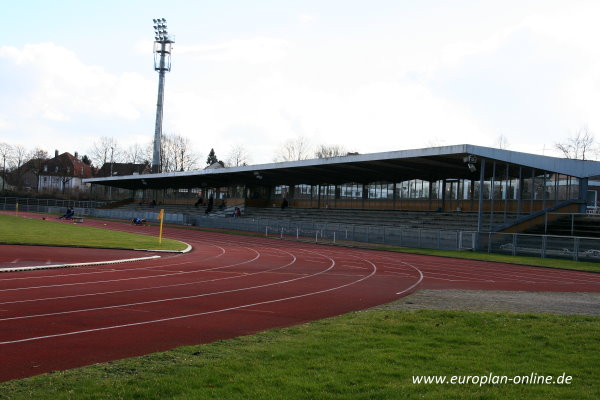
(209, 207)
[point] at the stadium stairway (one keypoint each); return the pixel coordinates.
(580, 225)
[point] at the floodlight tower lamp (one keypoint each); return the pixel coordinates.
(162, 63)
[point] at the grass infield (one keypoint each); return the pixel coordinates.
(361, 355)
(17, 230)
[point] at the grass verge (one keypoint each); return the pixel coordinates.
(26, 231)
(362, 355)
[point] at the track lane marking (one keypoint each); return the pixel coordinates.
(147, 288)
(130, 279)
(103, 271)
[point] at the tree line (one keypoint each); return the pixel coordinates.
(177, 153)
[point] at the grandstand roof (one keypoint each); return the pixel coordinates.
(431, 164)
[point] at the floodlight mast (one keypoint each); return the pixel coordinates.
(162, 63)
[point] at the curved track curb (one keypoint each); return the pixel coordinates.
(37, 267)
(186, 250)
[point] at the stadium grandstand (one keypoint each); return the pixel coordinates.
(459, 189)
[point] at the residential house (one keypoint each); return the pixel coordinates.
(63, 173)
(121, 169)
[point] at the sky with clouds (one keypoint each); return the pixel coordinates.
(372, 76)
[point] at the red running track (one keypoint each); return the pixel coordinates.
(226, 286)
(13, 256)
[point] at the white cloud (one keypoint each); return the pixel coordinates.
(307, 18)
(380, 116)
(533, 81)
(375, 87)
(255, 50)
(67, 87)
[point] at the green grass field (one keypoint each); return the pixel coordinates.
(17, 230)
(362, 355)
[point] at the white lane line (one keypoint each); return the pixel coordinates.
(405, 274)
(82, 264)
(178, 317)
(152, 287)
(421, 276)
(129, 279)
(277, 283)
(119, 306)
(507, 276)
(104, 271)
(540, 274)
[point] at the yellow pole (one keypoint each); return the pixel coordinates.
(161, 215)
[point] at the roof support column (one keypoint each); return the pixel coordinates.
(336, 194)
(544, 190)
(480, 207)
(506, 188)
(520, 191)
(472, 195)
(583, 189)
(459, 195)
(363, 195)
(556, 179)
(319, 195)
(532, 191)
(492, 190)
(444, 194)
(430, 195)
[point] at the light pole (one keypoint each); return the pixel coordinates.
(3, 171)
(112, 152)
(162, 63)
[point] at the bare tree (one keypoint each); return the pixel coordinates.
(176, 154)
(185, 158)
(237, 156)
(294, 150)
(105, 150)
(502, 142)
(65, 174)
(166, 154)
(327, 151)
(5, 156)
(436, 142)
(578, 146)
(135, 154)
(19, 157)
(37, 158)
